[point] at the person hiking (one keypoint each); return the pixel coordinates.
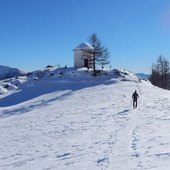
(135, 98)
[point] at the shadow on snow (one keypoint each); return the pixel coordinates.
(124, 112)
(28, 92)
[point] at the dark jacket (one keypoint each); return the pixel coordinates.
(135, 96)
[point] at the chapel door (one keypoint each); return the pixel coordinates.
(86, 64)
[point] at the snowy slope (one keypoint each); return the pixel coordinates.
(69, 120)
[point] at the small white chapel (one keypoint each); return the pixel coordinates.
(80, 59)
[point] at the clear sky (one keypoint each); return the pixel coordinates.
(36, 33)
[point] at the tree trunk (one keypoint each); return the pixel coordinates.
(94, 65)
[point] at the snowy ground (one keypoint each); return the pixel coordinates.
(85, 124)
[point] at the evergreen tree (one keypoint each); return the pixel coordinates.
(99, 55)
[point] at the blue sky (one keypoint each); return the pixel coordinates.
(36, 33)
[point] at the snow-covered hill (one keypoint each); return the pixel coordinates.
(8, 86)
(65, 119)
(8, 72)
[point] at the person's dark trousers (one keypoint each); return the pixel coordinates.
(134, 103)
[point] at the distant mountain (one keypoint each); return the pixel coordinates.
(143, 75)
(8, 72)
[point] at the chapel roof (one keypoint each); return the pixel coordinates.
(82, 46)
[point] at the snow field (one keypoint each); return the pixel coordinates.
(86, 125)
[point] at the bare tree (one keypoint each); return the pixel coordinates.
(155, 76)
(160, 73)
(163, 67)
(99, 54)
